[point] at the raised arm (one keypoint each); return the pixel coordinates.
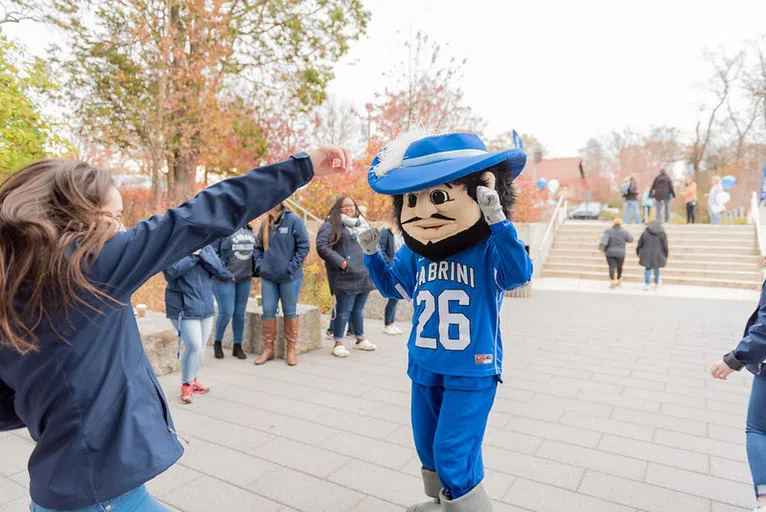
(752, 349)
(394, 281)
(513, 266)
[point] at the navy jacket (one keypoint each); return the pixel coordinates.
(288, 247)
(93, 404)
(189, 292)
(354, 279)
(751, 351)
(387, 245)
(222, 247)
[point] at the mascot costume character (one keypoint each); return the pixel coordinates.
(452, 200)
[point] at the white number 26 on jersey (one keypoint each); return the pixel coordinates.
(445, 319)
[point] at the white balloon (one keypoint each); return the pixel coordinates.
(553, 186)
(724, 197)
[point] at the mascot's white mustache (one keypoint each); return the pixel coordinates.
(434, 216)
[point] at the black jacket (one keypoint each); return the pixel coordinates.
(632, 194)
(662, 188)
(354, 279)
(387, 245)
(618, 237)
(652, 249)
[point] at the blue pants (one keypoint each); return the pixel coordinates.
(648, 275)
(195, 333)
(449, 416)
(756, 434)
(632, 211)
(137, 500)
(390, 314)
(663, 210)
(232, 302)
(349, 307)
(715, 218)
(272, 293)
(332, 322)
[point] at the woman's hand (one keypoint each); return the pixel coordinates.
(329, 160)
(343, 265)
(721, 370)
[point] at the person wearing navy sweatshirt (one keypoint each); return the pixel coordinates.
(189, 306)
(280, 249)
(72, 368)
(750, 353)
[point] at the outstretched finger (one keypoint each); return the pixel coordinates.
(349, 159)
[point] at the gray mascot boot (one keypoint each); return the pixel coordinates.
(432, 488)
(475, 501)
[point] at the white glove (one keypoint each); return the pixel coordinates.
(368, 240)
(489, 202)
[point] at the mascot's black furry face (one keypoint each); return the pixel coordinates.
(444, 220)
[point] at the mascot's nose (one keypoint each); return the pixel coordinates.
(424, 208)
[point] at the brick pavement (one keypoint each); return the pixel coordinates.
(606, 407)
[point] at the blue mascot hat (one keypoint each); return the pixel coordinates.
(416, 161)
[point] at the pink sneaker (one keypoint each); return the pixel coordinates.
(186, 394)
(198, 388)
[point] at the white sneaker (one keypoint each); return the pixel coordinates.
(647, 288)
(398, 331)
(340, 351)
(391, 330)
(364, 345)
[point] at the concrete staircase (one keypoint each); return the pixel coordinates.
(700, 255)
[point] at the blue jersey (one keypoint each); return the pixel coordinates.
(456, 325)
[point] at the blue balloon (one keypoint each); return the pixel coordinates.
(728, 182)
(542, 183)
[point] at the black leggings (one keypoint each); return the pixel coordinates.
(690, 213)
(615, 264)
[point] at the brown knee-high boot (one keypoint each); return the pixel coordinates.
(291, 339)
(269, 330)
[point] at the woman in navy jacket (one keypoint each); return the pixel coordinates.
(750, 353)
(189, 306)
(280, 249)
(72, 367)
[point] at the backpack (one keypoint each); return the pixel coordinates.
(625, 189)
(604, 241)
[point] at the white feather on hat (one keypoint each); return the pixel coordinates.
(392, 155)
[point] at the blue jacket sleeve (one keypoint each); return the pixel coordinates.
(8, 418)
(130, 258)
(513, 267)
(302, 246)
(752, 349)
(214, 265)
(395, 281)
(181, 267)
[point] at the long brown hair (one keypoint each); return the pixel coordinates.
(267, 224)
(336, 221)
(44, 209)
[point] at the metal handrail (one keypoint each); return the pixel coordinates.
(306, 214)
(554, 220)
(755, 216)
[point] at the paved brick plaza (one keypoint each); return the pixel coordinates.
(607, 407)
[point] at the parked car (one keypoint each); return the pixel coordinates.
(586, 211)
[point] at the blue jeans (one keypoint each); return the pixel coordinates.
(632, 211)
(715, 218)
(195, 333)
(232, 301)
(349, 306)
(756, 434)
(332, 322)
(647, 275)
(390, 314)
(288, 292)
(663, 210)
(137, 500)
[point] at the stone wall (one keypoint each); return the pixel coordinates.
(160, 342)
(376, 307)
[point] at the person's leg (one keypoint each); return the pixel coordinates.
(241, 296)
(668, 204)
(694, 213)
(269, 301)
(647, 276)
(224, 297)
(620, 262)
(426, 402)
(136, 500)
(612, 267)
(343, 306)
(689, 213)
(185, 364)
(459, 434)
(191, 332)
(756, 437)
(357, 313)
(288, 293)
(207, 328)
(626, 214)
(656, 276)
(636, 212)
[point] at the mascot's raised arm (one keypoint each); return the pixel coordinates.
(452, 201)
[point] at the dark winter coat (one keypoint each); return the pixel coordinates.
(751, 351)
(288, 247)
(652, 249)
(662, 188)
(190, 287)
(354, 279)
(92, 402)
(618, 237)
(632, 194)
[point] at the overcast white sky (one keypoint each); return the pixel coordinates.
(562, 70)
